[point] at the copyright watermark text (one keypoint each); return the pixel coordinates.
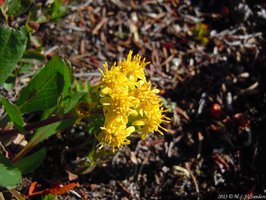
(241, 196)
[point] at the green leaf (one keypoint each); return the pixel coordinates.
(25, 68)
(14, 113)
(50, 83)
(36, 41)
(71, 102)
(12, 46)
(66, 105)
(32, 54)
(9, 174)
(37, 13)
(47, 131)
(57, 9)
(32, 162)
(94, 124)
(18, 7)
(49, 197)
(43, 133)
(10, 83)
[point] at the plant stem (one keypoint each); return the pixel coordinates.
(38, 124)
(16, 194)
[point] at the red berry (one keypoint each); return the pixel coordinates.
(216, 110)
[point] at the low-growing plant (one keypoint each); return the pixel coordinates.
(200, 32)
(123, 103)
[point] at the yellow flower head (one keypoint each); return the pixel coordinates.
(129, 103)
(133, 68)
(150, 110)
(115, 133)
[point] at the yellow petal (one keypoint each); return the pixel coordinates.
(130, 130)
(141, 112)
(106, 90)
(133, 113)
(138, 123)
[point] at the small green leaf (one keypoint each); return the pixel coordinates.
(32, 54)
(14, 113)
(49, 197)
(12, 46)
(57, 9)
(37, 13)
(47, 131)
(65, 105)
(36, 41)
(94, 124)
(31, 162)
(25, 68)
(71, 102)
(44, 133)
(18, 7)
(9, 174)
(50, 83)
(10, 83)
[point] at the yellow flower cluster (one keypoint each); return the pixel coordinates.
(129, 102)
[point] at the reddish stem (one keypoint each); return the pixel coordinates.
(37, 125)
